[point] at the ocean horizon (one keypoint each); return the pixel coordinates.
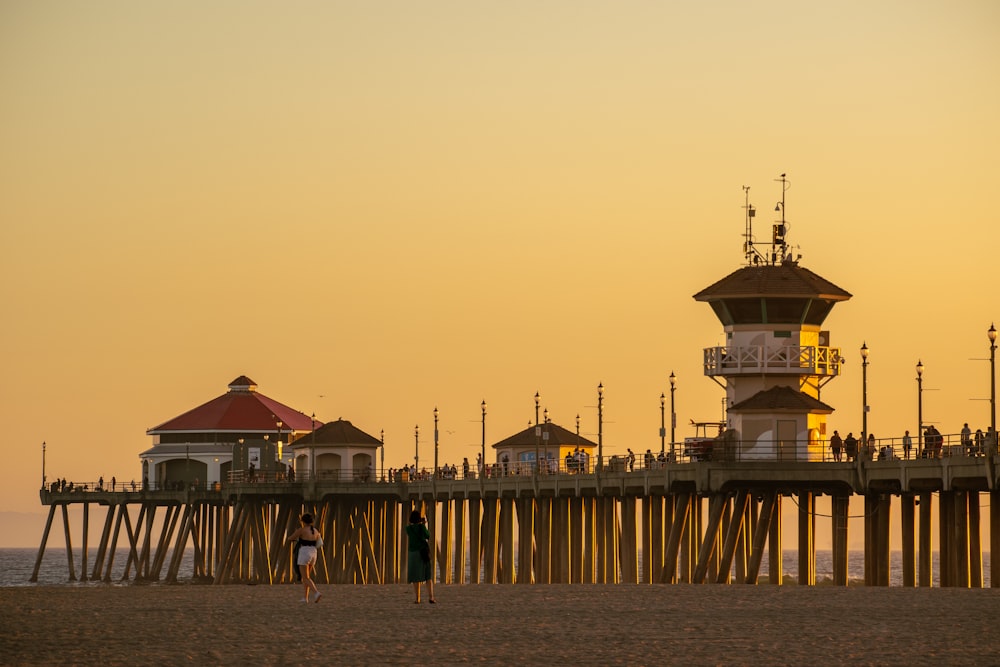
(16, 565)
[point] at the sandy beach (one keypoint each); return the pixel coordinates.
(580, 624)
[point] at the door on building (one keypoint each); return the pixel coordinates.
(786, 439)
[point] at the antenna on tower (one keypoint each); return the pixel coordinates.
(779, 249)
(752, 254)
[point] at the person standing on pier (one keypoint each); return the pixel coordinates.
(309, 540)
(837, 446)
(851, 446)
(418, 563)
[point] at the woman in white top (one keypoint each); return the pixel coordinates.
(309, 540)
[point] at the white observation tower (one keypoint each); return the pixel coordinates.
(777, 357)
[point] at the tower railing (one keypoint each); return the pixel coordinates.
(787, 359)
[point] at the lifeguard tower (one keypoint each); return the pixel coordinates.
(777, 357)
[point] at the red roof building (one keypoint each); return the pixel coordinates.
(198, 445)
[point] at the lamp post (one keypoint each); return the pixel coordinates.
(280, 424)
(435, 442)
(600, 425)
(663, 423)
(992, 333)
(381, 463)
(538, 430)
(864, 394)
(482, 460)
(673, 415)
(43, 464)
(416, 448)
(920, 408)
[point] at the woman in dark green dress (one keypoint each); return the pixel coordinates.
(418, 562)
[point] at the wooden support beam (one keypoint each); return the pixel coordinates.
(678, 529)
(178, 551)
(589, 509)
(715, 511)
(946, 538)
(102, 546)
(883, 539)
(114, 542)
(69, 542)
(907, 516)
(975, 542)
(995, 538)
(627, 552)
(133, 542)
(41, 546)
(733, 536)
(475, 540)
(925, 557)
(83, 541)
(961, 540)
(461, 538)
(807, 539)
(769, 510)
(840, 506)
(775, 559)
(526, 540)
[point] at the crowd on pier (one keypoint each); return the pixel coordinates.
(931, 445)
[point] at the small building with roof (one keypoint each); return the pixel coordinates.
(228, 434)
(547, 442)
(338, 450)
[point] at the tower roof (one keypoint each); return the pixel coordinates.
(557, 436)
(242, 408)
(786, 279)
(340, 432)
(781, 399)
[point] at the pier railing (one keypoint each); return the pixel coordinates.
(755, 359)
(953, 446)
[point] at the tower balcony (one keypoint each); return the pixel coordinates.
(779, 360)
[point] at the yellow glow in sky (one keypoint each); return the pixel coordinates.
(373, 209)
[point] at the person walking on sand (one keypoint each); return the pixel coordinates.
(418, 562)
(309, 540)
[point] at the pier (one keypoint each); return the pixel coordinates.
(691, 521)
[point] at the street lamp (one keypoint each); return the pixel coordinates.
(538, 400)
(600, 425)
(864, 393)
(382, 445)
(435, 442)
(416, 448)
(482, 460)
(673, 415)
(920, 408)
(992, 333)
(578, 441)
(663, 423)
(280, 424)
(43, 464)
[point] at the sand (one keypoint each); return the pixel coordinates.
(105, 625)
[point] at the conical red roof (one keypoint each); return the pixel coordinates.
(242, 408)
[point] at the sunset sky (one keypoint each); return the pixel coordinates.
(376, 208)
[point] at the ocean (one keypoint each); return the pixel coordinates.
(16, 566)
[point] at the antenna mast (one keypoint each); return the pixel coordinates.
(779, 249)
(752, 255)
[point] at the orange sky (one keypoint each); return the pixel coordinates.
(373, 209)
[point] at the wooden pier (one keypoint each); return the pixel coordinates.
(691, 522)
